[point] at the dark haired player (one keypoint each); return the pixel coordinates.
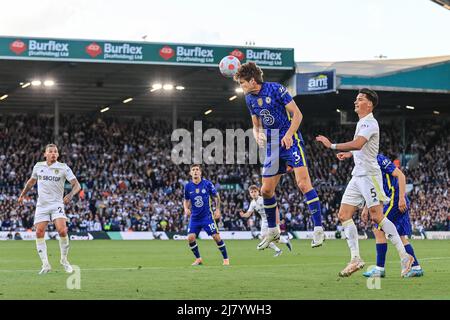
(365, 187)
(274, 111)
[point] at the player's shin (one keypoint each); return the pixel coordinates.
(64, 247)
(270, 207)
(351, 234)
(313, 202)
(381, 254)
(41, 247)
(392, 233)
(273, 246)
(223, 249)
(194, 247)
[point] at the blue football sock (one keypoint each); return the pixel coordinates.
(313, 202)
(409, 249)
(270, 206)
(221, 246)
(194, 248)
(381, 254)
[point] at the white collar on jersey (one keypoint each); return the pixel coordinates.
(368, 117)
(54, 163)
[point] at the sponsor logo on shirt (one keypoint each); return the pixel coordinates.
(49, 178)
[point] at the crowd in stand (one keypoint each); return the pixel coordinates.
(130, 183)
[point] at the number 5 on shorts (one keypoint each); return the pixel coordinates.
(373, 193)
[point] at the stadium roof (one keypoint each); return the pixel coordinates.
(90, 75)
(431, 74)
(370, 68)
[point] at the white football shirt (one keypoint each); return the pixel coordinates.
(258, 206)
(366, 159)
(51, 180)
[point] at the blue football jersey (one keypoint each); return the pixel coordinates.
(200, 195)
(390, 183)
(270, 105)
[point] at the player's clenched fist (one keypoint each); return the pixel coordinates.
(344, 155)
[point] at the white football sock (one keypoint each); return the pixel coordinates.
(351, 233)
(392, 233)
(273, 246)
(41, 247)
(283, 239)
(64, 247)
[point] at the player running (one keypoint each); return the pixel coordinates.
(274, 111)
(51, 176)
(257, 204)
(365, 183)
(197, 196)
(394, 185)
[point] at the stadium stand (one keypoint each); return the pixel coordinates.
(130, 183)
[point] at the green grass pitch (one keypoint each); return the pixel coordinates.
(161, 270)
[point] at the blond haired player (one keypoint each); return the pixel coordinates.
(50, 176)
(257, 204)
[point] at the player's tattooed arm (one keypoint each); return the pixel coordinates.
(217, 212)
(356, 144)
(30, 183)
(76, 187)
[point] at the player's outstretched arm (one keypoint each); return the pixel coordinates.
(353, 145)
(76, 187)
(30, 183)
(296, 119)
(246, 214)
(402, 188)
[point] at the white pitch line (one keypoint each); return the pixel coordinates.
(199, 268)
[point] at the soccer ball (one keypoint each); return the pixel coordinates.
(229, 65)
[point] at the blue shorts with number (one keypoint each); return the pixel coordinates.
(207, 224)
(294, 157)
